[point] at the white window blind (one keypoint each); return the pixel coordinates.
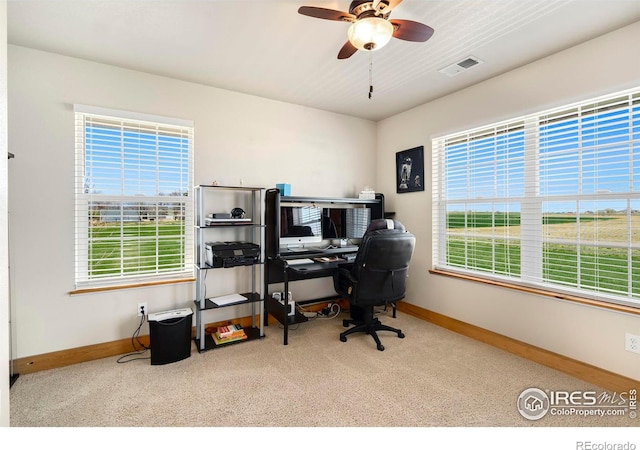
(550, 200)
(133, 197)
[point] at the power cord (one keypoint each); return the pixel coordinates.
(329, 312)
(136, 338)
(305, 312)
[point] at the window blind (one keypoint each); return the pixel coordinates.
(133, 197)
(549, 200)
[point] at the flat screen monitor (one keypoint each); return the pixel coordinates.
(345, 223)
(300, 225)
(358, 220)
(333, 223)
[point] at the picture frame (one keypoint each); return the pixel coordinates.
(410, 170)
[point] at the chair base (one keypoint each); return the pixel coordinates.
(368, 325)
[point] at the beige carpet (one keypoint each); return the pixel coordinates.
(432, 378)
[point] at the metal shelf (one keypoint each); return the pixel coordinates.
(250, 199)
(252, 297)
(209, 344)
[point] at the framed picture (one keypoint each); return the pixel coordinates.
(410, 170)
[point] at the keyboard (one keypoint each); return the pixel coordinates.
(295, 262)
(315, 249)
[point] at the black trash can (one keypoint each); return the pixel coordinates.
(170, 335)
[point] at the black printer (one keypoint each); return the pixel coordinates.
(231, 254)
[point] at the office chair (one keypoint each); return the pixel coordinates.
(377, 277)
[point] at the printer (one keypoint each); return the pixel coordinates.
(231, 254)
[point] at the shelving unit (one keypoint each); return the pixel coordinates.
(251, 228)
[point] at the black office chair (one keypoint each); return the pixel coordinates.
(377, 278)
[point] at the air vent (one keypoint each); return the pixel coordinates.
(461, 66)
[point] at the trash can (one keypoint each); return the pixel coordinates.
(170, 335)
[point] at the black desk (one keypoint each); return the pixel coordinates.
(280, 271)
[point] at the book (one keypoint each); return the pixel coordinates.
(230, 336)
(220, 341)
(225, 331)
(229, 331)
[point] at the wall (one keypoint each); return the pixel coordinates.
(4, 261)
(595, 336)
(237, 136)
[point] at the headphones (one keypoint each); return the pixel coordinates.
(237, 213)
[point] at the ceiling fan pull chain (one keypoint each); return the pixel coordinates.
(370, 75)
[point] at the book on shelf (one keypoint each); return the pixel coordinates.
(227, 340)
(232, 330)
(226, 333)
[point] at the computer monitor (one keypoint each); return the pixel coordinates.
(358, 220)
(345, 223)
(333, 223)
(300, 225)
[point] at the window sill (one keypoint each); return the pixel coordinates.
(93, 290)
(537, 291)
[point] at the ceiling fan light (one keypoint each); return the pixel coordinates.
(370, 33)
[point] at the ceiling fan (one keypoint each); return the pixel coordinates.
(370, 27)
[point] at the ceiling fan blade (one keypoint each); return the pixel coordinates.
(347, 50)
(408, 30)
(325, 13)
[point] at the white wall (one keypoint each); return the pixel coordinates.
(595, 336)
(4, 261)
(237, 136)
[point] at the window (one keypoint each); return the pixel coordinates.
(550, 200)
(133, 197)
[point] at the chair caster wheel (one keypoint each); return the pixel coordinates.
(343, 338)
(380, 347)
(345, 323)
(401, 335)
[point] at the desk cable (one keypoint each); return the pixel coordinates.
(329, 312)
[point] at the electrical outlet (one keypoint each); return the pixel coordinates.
(142, 309)
(632, 343)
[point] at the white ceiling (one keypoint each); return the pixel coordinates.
(265, 48)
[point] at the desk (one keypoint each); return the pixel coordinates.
(277, 270)
(280, 271)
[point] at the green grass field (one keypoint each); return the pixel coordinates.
(500, 219)
(594, 268)
(133, 248)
